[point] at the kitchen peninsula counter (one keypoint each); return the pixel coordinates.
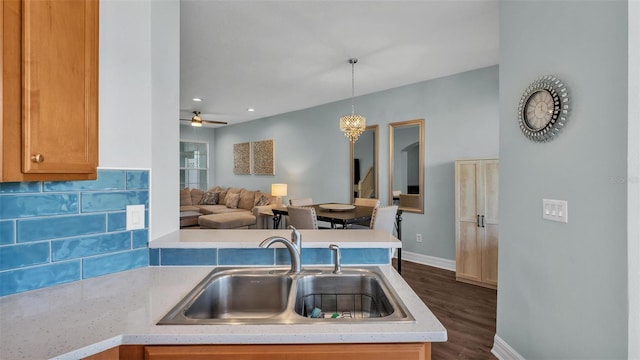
(82, 318)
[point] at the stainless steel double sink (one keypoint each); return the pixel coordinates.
(274, 296)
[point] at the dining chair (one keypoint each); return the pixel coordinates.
(301, 202)
(371, 202)
(302, 217)
(384, 218)
(366, 202)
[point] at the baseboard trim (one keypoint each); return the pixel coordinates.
(503, 351)
(429, 260)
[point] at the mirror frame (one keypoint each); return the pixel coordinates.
(420, 196)
(375, 161)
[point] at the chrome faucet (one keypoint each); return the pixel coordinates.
(337, 267)
(294, 246)
(296, 238)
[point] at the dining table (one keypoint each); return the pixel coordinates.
(342, 215)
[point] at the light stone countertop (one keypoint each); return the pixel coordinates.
(82, 318)
(209, 238)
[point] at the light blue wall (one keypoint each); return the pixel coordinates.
(562, 290)
(312, 155)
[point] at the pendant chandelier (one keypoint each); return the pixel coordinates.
(352, 125)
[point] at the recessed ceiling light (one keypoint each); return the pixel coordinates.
(251, 109)
(196, 99)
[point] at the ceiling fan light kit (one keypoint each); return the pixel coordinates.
(197, 121)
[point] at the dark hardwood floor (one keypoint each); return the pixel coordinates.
(468, 312)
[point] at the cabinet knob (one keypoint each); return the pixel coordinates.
(37, 158)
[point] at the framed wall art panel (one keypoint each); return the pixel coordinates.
(263, 157)
(242, 158)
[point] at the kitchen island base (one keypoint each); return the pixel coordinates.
(375, 351)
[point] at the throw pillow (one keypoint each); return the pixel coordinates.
(232, 200)
(262, 201)
(223, 197)
(196, 196)
(210, 198)
(185, 197)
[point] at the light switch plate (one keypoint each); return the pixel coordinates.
(135, 217)
(555, 210)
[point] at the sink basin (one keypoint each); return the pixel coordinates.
(348, 296)
(238, 296)
(273, 296)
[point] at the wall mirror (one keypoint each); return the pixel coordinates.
(364, 164)
(406, 165)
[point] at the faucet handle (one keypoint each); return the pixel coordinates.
(337, 267)
(296, 237)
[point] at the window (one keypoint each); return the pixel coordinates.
(194, 165)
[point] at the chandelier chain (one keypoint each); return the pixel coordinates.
(353, 84)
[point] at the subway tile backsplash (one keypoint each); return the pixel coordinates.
(57, 232)
(265, 257)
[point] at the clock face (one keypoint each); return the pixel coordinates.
(543, 109)
(539, 109)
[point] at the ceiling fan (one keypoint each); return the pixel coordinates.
(197, 121)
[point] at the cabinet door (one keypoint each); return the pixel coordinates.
(409, 351)
(490, 224)
(468, 261)
(49, 90)
(477, 222)
(60, 89)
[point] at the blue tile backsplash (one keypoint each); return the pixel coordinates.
(264, 257)
(57, 232)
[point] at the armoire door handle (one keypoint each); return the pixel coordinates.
(482, 220)
(478, 220)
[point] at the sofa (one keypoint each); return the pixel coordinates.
(228, 208)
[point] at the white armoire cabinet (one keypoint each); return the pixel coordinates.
(476, 190)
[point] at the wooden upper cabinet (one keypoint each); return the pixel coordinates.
(50, 89)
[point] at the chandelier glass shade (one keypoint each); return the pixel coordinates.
(352, 125)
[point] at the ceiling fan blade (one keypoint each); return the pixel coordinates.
(215, 122)
(208, 121)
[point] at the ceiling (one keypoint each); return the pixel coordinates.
(281, 56)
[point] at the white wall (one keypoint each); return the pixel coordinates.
(139, 87)
(633, 183)
(312, 155)
(562, 289)
(165, 129)
(125, 84)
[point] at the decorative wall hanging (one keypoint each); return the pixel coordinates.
(543, 109)
(242, 158)
(263, 162)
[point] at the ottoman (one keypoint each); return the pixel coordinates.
(231, 220)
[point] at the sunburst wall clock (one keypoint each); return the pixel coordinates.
(543, 109)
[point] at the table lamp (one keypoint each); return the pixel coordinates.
(279, 190)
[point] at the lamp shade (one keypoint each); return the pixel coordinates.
(278, 189)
